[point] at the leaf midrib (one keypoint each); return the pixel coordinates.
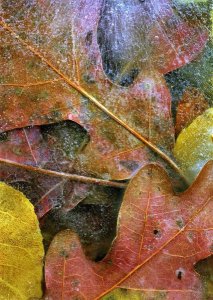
(94, 100)
(156, 252)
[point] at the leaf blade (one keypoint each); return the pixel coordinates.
(21, 247)
(138, 248)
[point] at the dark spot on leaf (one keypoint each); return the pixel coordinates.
(149, 173)
(64, 254)
(88, 39)
(3, 136)
(57, 206)
(191, 236)
(180, 223)
(179, 274)
(156, 232)
(75, 283)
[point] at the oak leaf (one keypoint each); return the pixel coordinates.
(51, 64)
(160, 237)
(21, 247)
(44, 149)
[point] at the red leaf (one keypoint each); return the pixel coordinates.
(52, 46)
(160, 237)
(28, 147)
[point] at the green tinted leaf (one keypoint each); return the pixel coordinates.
(194, 146)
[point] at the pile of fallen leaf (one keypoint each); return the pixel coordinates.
(102, 197)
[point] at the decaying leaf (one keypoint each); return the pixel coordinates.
(21, 248)
(99, 66)
(160, 237)
(196, 74)
(51, 64)
(194, 145)
(191, 105)
(43, 148)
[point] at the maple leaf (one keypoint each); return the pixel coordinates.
(49, 46)
(160, 237)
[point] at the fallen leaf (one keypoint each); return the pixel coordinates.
(27, 146)
(44, 150)
(55, 66)
(193, 147)
(49, 148)
(191, 105)
(21, 247)
(195, 74)
(160, 237)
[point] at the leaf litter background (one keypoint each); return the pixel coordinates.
(134, 58)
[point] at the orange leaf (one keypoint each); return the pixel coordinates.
(51, 67)
(191, 105)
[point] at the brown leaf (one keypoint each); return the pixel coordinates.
(192, 105)
(160, 237)
(48, 47)
(45, 150)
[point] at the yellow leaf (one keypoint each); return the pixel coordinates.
(194, 145)
(21, 248)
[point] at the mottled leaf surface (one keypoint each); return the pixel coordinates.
(53, 149)
(50, 46)
(191, 105)
(160, 237)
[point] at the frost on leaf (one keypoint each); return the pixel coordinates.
(90, 89)
(49, 147)
(52, 62)
(158, 241)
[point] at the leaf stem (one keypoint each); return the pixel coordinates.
(95, 101)
(73, 177)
